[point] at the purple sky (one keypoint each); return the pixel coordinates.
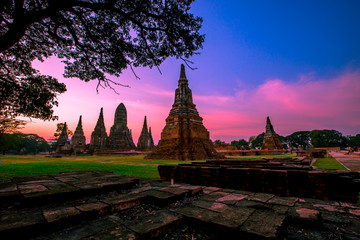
(295, 61)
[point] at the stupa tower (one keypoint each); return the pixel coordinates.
(99, 135)
(271, 140)
(63, 137)
(120, 136)
(184, 136)
(145, 141)
(78, 139)
(151, 138)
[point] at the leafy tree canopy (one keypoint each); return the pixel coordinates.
(95, 39)
(9, 142)
(32, 143)
(257, 142)
(10, 125)
(354, 141)
(299, 139)
(241, 142)
(26, 143)
(327, 138)
(59, 129)
(219, 142)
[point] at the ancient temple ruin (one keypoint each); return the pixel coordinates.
(145, 141)
(271, 140)
(120, 136)
(99, 135)
(78, 140)
(62, 144)
(184, 137)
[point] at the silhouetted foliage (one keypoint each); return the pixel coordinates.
(354, 141)
(10, 125)
(219, 142)
(94, 38)
(59, 128)
(32, 143)
(257, 142)
(9, 143)
(23, 143)
(327, 138)
(241, 142)
(8, 140)
(299, 139)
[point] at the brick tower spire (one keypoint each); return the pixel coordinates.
(271, 140)
(184, 137)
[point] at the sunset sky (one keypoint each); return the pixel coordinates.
(295, 61)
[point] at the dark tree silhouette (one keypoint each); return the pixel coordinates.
(327, 138)
(257, 142)
(95, 39)
(300, 139)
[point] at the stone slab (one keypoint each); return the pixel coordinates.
(114, 232)
(175, 191)
(123, 201)
(197, 213)
(304, 215)
(261, 197)
(231, 199)
(355, 212)
(83, 231)
(214, 196)
(93, 209)
(24, 179)
(220, 215)
(287, 201)
(193, 190)
(208, 190)
(213, 206)
(8, 187)
(264, 225)
(31, 189)
(60, 187)
(19, 223)
(160, 197)
(153, 226)
(53, 215)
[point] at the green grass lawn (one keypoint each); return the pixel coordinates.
(328, 163)
(15, 165)
(26, 165)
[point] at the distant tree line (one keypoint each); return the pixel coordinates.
(12, 141)
(304, 140)
(18, 143)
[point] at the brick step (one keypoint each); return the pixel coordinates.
(25, 222)
(37, 190)
(112, 227)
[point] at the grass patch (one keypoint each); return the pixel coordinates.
(328, 163)
(136, 166)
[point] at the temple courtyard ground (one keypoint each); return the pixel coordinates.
(349, 161)
(104, 205)
(91, 200)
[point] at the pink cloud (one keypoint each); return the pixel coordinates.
(292, 106)
(305, 104)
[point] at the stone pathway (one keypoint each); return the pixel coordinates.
(103, 205)
(352, 162)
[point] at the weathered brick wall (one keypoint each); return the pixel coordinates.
(326, 185)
